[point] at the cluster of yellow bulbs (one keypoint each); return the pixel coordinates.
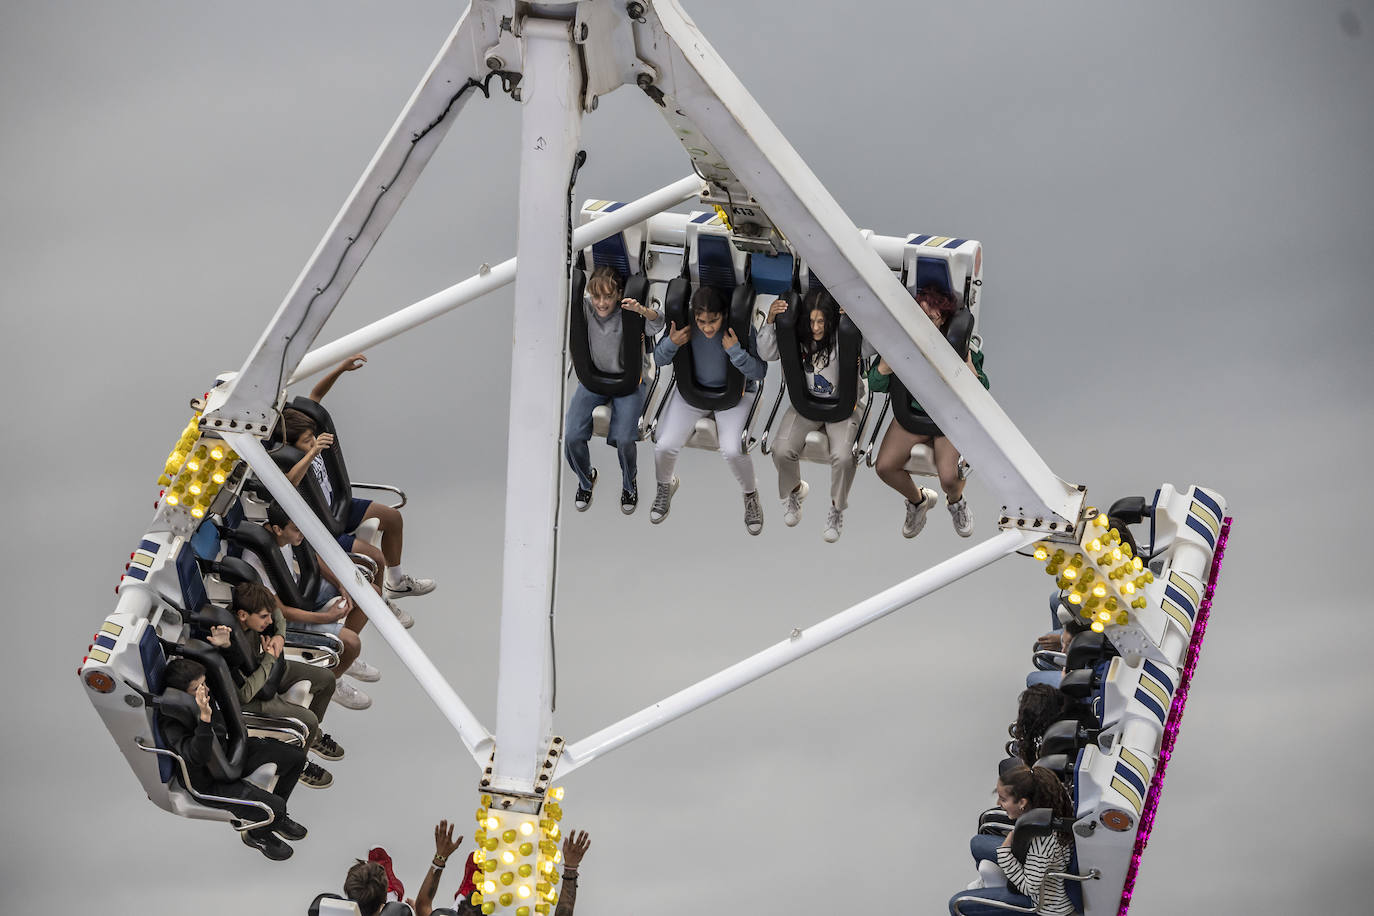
(518, 855)
(1102, 578)
(195, 470)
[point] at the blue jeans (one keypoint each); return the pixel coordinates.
(983, 846)
(1003, 894)
(623, 435)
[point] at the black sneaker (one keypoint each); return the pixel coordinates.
(629, 499)
(288, 829)
(326, 748)
(263, 840)
(583, 497)
(316, 776)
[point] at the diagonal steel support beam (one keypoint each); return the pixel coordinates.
(474, 736)
(246, 402)
(802, 642)
(698, 85)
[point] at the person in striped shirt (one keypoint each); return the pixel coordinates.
(1026, 862)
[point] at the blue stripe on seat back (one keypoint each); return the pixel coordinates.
(154, 667)
(612, 252)
(715, 266)
(772, 276)
(193, 593)
(205, 542)
(933, 271)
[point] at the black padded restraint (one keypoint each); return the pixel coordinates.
(303, 594)
(335, 515)
(821, 410)
(678, 308)
(958, 331)
(227, 763)
(610, 384)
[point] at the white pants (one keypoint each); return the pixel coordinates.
(680, 418)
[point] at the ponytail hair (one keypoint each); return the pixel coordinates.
(1041, 789)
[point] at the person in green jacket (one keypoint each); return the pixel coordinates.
(260, 616)
(894, 452)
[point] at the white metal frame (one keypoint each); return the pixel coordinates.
(565, 54)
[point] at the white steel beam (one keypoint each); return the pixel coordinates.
(470, 731)
(550, 131)
(488, 280)
(247, 401)
(701, 88)
(800, 643)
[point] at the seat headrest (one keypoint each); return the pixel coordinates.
(178, 705)
(236, 571)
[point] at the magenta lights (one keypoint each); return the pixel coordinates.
(1166, 748)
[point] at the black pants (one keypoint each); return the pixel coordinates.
(290, 761)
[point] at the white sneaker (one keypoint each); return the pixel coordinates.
(350, 697)
(402, 617)
(409, 586)
(663, 501)
(362, 671)
(963, 521)
(834, 524)
(916, 512)
(791, 506)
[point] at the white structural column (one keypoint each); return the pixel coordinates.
(706, 92)
(802, 642)
(550, 131)
(470, 731)
(446, 300)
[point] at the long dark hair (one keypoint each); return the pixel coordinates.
(1042, 789)
(1038, 707)
(815, 354)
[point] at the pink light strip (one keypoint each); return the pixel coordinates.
(1166, 750)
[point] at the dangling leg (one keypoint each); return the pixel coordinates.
(673, 431)
(787, 449)
(947, 466)
(893, 455)
(730, 433)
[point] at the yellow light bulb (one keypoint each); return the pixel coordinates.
(197, 512)
(1100, 590)
(489, 866)
(556, 793)
(488, 909)
(522, 891)
(192, 464)
(557, 856)
(486, 801)
(1095, 544)
(1123, 618)
(218, 476)
(507, 878)
(488, 887)
(1110, 604)
(541, 908)
(1070, 573)
(171, 499)
(508, 836)
(1104, 616)
(1137, 564)
(1101, 520)
(526, 828)
(526, 848)
(490, 844)
(217, 452)
(476, 898)
(1097, 627)
(1075, 598)
(525, 870)
(546, 867)
(1138, 603)
(506, 899)
(523, 910)
(493, 823)
(1116, 553)
(507, 856)
(194, 487)
(1077, 561)
(554, 833)
(1041, 552)
(1092, 604)
(1128, 588)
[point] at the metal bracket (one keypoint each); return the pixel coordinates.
(525, 802)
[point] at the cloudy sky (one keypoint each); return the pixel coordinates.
(1177, 204)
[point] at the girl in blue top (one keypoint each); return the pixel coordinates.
(715, 346)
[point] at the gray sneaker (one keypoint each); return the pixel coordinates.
(916, 512)
(791, 506)
(753, 512)
(963, 520)
(834, 524)
(663, 501)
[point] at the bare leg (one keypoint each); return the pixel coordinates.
(352, 648)
(893, 454)
(392, 528)
(947, 466)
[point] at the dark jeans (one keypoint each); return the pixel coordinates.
(623, 435)
(973, 908)
(289, 760)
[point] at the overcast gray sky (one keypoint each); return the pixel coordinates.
(1176, 199)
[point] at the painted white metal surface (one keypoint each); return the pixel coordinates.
(473, 735)
(494, 278)
(247, 402)
(550, 131)
(804, 642)
(705, 91)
